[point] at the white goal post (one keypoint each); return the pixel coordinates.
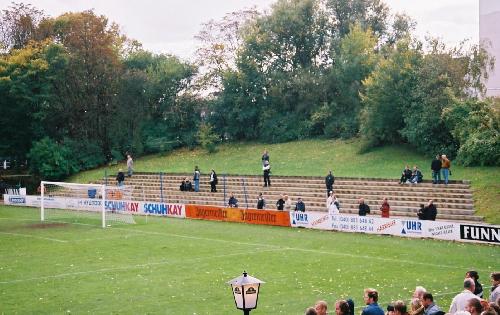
(74, 201)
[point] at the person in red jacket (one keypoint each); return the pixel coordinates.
(385, 208)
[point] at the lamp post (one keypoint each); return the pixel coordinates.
(245, 292)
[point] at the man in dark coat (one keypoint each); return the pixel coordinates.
(363, 208)
(405, 175)
(120, 177)
(329, 180)
(431, 211)
(280, 204)
(261, 202)
(300, 205)
(436, 170)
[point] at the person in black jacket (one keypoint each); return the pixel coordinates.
(436, 170)
(329, 180)
(233, 202)
(120, 177)
(280, 204)
(405, 175)
(416, 176)
(261, 202)
(213, 181)
(428, 212)
(300, 205)
(363, 208)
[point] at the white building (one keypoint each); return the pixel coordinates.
(489, 35)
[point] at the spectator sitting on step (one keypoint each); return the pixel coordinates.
(261, 202)
(416, 176)
(300, 205)
(431, 211)
(405, 175)
(186, 185)
(233, 202)
(385, 208)
(363, 208)
(288, 203)
(280, 204)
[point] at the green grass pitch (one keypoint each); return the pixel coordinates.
(175, 266)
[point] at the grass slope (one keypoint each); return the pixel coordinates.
(175, 266)
(316, 157)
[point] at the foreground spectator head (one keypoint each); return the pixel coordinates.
(417, 306)
(472, 274)
(370, 296)
(342, 307)
(469, 284)
(495, 278)
(427, 299)
(474, 307)
(390, 309)
(311, 311)
(495, 307)
(419, 290)
(400, 308)
(361, 200)
(321, 307)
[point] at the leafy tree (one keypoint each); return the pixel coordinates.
(207, 137)
(18, 25)
(51, 160)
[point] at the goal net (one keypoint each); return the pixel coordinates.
(85, 203)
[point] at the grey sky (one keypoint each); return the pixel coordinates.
(169, 26)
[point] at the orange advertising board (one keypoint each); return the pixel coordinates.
(251, 216)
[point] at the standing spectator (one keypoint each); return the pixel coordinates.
(300, 205)
(405, 175)
(213, 181)
(436, 170)
(130, 165)
(478, 288)
(460, 301)
(288, 203)
(445, 167)
(371, 298)
(321, 307)
(280, 204)
(495, 287)
(385, 208)
(416, 176)
(363, 208)
(265, 157)
(429, 307)
(329, 180)
(261, 202)
(196, 178)
(120, 177)
(267, 172)
(474, 306)
(233, 202)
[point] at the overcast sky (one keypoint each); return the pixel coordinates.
(168, 26)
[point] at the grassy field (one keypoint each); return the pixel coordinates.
(316, 157)
(175, 266)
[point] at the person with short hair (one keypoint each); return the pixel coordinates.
(430, 308)
(329, 181)
(280, 204)
(385, 208)
(265, 157)
(130, 165)
(321, 307)
(300, 205)
(436, 170)
(445, 168)
(213, 181)
(495, 287)
(405, 175)
(311, 311)
(416, 176)
(261, 202)
(478, 287)
(196, 178)
(474, 306)
(233, 202)
(363, 208)
(419, 292)
(371, 298)
(120, 178)
(460, 300)
(267, 173)
(431, 211)
(288, 202)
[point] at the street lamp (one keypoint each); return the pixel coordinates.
(246, 292)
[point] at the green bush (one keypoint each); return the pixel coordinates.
(481, 148)
(207, 137)
(51, 160)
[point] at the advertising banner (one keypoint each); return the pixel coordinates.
(310, 220)
(251, 216)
